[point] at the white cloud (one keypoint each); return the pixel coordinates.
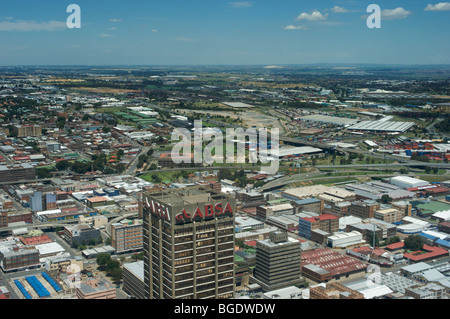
(25, 26)
(442, 6)
(115, 20)
(293, 27)
(338, 9)
(241, 4)
(314, 16)
(154, 30)
(106, 35)
(398, 13)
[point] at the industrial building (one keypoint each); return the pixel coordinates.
(325, 264)
(326, 193)
(286, 153)
(326, 119)
(407, 182)
(344, 240)
(375, 190)
(382, 126)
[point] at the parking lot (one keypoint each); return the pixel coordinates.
(30, 292)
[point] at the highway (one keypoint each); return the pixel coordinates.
(62, 223)
(307, 177)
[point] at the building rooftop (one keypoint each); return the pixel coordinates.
(95, 286)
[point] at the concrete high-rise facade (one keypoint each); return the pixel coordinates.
(188, 244)
(278, 262)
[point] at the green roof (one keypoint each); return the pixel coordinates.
(431, 207)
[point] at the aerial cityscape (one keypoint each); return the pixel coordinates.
(256, 176)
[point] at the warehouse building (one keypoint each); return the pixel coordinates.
(322, 265)
(326, 193)
(407, 182)
(344, 240)
(382, 126)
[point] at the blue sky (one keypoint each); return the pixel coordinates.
(196, 32)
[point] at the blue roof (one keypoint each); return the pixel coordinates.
(22, 289)
(51, 282)
(38, 286)
(306, 201)
(443, 242)
(428, 236)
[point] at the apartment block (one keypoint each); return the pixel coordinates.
(389, 215)
(363, 209)
(126, 236)
(325, 222)
(27, 130)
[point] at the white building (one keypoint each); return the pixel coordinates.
(342, 240)
(246, 223)
(408, 182)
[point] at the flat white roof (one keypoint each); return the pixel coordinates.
(445, 214)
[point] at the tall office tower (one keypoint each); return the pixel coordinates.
(278, 262)
(188, 244)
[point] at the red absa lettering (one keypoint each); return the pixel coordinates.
(198, 213)
(228, 209)
(219, 209)
(209, 211)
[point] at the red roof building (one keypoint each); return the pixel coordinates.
(395, 246)
(37, 240)
(427, 253)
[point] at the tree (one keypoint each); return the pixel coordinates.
(385, 199)
(103, 259)
(377, 241)
(413, 242)
(116, 274)
(61, 122)
(43, 173)
(393, 240)
(62, 165)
